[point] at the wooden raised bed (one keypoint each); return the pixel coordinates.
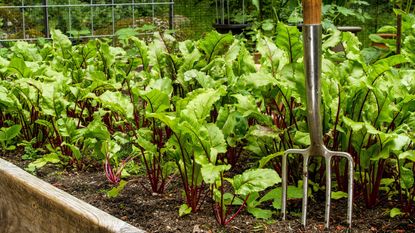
(30, 205)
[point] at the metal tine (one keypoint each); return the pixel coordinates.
(284, 178)
(327, 154)
(328, 190)
(350, 183)
(306, 157)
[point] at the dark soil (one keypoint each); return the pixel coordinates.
(159, 213)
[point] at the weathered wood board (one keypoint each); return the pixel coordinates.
(30, 205)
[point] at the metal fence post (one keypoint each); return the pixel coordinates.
(46, 18)
(171, 15)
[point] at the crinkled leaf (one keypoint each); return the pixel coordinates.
(199, 106)
(289, 39)
(255, 180)
(214, 44)
(211, 173)
(302, 138)
(117, 102)
(273, 57)
(157, 100)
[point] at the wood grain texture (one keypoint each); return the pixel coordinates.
(30, 205)
(312, 11)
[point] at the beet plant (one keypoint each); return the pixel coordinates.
(202, 110)
(194, 141)
(368, 111)
(250, 182)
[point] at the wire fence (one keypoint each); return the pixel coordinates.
(84, 19)
(33, 19)
(193, 18)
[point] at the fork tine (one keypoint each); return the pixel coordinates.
(284, 179)
(305, 189)
(350, 185)
(284, 186)
(328, 191)
(350, 192)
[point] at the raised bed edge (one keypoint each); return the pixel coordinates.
(31, 205)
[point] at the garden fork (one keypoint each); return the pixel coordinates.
(312, 63)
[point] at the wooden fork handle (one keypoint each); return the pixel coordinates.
(312, 11)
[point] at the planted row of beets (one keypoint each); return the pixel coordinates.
(203, 111)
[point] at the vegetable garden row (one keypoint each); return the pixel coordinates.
(205, 112)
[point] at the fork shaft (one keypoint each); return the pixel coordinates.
(312, 66)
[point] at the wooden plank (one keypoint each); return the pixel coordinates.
(31, 205)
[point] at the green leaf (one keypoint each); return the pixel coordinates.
(7, 134)
(267, 25)
(333, 40)
(142, 51)
(302, 138)
(274, 58)
(407, 177)
(60, 39)
(410, 155)
(263, 161)
(40, 162)
(260, 213)
(115, 192)
(384, 65)
(29, 52)
(117, 102)
(214, 44)
(395, 212)
(345, 11)
(356, 126)
(256, 4)
(293, 192)
(67, 127)
(18, 66)
(157, 100)
(211, 173)
(126, 33)
(289, 39)
(255, 180)
(184, 210)
(96, 129)
(168, 119)
(338, 195)
(217, 143)
(259, 79)
(75, 150)
(201, 102)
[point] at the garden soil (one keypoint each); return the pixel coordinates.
(159, 213)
